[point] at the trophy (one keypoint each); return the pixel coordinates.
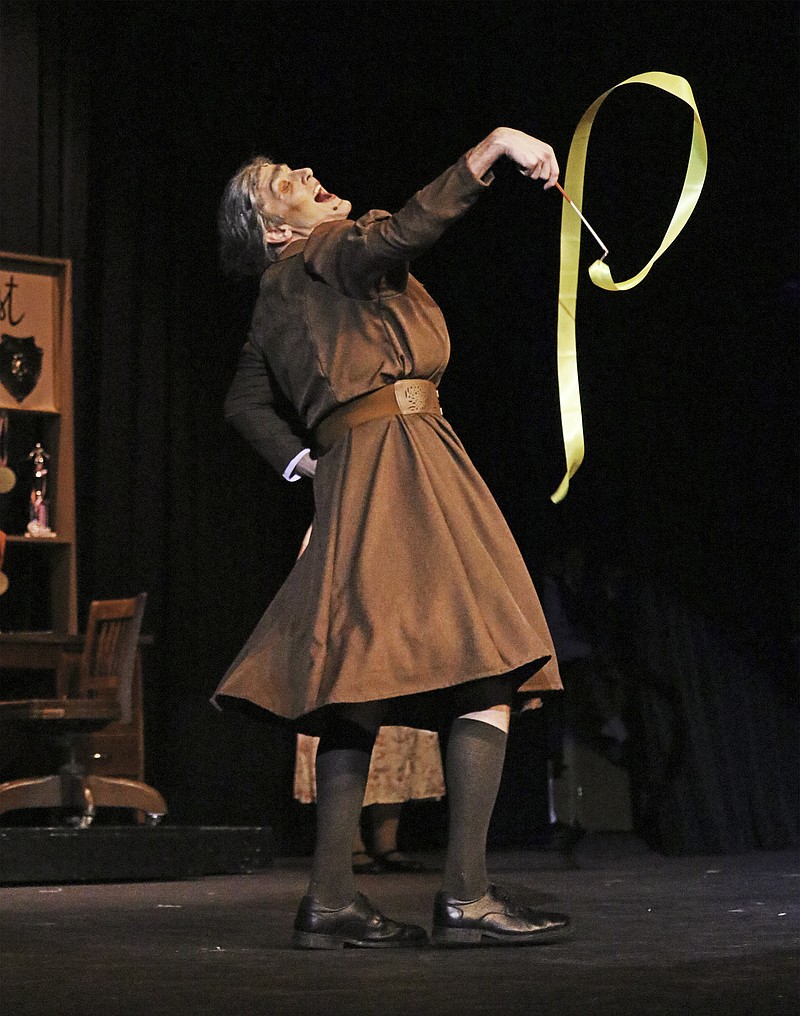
(7, 477)
(38, 512)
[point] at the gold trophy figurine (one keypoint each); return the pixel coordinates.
(38, 525)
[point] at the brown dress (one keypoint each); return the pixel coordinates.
(412, 582)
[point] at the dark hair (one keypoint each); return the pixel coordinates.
(242, 221)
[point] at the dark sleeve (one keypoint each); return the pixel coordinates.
(351, 256)
(259, 410)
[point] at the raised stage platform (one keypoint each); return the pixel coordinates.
(654, 936)
(106, 853)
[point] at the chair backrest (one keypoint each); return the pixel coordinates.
(109, 653)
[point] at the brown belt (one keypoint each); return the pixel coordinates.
(399, 399)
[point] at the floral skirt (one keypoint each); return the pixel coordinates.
(406, 765)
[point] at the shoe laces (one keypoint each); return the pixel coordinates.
(513, 906)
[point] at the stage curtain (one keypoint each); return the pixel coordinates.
(126, 121)
(713, 757)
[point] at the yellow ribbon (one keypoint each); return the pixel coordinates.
(569, 392)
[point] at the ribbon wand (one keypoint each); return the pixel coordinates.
(568, 389)
(570, 202)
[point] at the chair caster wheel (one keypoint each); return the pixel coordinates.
(78, 821)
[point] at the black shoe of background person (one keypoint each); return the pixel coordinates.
(395, 860)
(358, 925)
(369, 865)
(391, 861)
(493, 919)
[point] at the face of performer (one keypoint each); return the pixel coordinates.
(300, 200)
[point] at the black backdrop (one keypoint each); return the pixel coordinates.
(120, 125)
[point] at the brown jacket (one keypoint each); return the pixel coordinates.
(340, 315)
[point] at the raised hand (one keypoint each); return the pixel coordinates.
(535, 159)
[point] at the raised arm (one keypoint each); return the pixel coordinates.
(353, 256)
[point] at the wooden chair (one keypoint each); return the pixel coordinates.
(93, 694)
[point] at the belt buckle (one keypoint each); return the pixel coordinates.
(412, 396)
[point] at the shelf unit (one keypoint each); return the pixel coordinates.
(42, 570)
(38, 613)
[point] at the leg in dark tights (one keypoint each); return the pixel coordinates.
(343, 760)
(473, 767)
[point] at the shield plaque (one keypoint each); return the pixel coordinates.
(20, 365)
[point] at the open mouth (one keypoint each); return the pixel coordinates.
(321, 195)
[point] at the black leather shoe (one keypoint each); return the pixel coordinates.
(494, 919)
(358, 924)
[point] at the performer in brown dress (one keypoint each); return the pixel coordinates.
(422, 612)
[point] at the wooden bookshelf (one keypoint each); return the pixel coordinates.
(38, 613)
(36, 296)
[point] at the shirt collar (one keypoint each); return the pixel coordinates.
(295, 247)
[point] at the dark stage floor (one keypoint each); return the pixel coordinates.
(654, 935)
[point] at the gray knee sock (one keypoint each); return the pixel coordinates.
(343, 759)
(474, 764)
